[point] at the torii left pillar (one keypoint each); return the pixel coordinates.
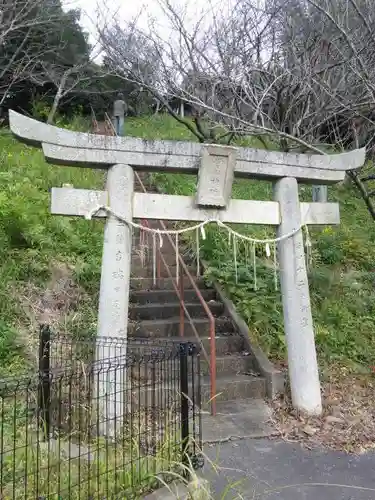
(114, 298)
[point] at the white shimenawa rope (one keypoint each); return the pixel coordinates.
(232, 241)
(200, 226)
(197, 249)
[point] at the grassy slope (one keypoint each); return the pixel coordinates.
(341, 279)
(32, 242)
(341, 275)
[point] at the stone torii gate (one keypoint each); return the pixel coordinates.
(216, 166)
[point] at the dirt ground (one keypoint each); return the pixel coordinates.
(348, 420)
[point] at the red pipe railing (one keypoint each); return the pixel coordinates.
(179, 288)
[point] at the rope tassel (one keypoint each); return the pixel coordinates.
(308, 249)
(255, 267)
(177, 261)
(235, 257)
(154, 258)
(247, 263)
(198, 253)
(275, 266)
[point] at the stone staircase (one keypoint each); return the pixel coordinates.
(154, 312)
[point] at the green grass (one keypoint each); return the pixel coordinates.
(73, 466)
(32, 241)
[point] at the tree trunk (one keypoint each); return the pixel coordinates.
(58, 96)
(346, 182)
(157, 107)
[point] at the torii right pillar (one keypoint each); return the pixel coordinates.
(298, 323)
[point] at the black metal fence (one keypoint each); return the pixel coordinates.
(101, 419)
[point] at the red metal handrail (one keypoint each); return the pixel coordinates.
(179, 289)
(178, 286)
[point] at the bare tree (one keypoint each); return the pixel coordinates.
(25, 26)
(299, 72)
(16, 15)
(72, 79)
(230, 67)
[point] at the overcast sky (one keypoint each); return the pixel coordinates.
(89, 9)
(126, 10)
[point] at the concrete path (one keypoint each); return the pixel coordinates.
(276, 470)
(237, 419)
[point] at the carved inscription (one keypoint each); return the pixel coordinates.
(215, 177)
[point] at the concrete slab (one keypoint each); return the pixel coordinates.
(262, 469)
(237, 419)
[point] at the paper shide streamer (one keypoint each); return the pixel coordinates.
(177, 260)
(235, 257)
(275, 266)
(308, 246)
(154, 258)
(233, 241)
(197, 249)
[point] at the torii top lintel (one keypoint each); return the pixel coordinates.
(64, 147)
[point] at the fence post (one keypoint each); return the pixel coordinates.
(184, 390)
(153, 400)
(182, 303)
(44, 379)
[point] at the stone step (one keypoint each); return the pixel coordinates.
(154, 225)
(147, 241)
(165, 296)
(147, 283)
(146, 271)
(147, 237)
(225, 344)
(226, 366)
(171, 327)
(172, 310)
(229, 364)
(233, 387)
(162, 394)
(146, 253)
